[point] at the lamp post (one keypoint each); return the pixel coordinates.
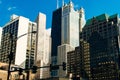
(10, 56)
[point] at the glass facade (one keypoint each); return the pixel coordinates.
(102, 33)
(56, 30)
(56, 36)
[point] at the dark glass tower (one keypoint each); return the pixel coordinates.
(56, 36)
(56, 30)
(102, 34)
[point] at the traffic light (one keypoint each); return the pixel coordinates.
(20, 71)
(64, 66)
(50, 67)
(34, 69)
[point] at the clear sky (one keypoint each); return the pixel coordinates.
(31, 8)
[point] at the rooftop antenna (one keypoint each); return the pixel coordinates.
(57, 4)
(62, 2)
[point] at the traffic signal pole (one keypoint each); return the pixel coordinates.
(35, 68)
(10, 56)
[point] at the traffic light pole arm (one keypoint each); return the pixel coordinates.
(32, 68)
(35, 68)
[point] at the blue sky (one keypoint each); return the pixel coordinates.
(31, 8)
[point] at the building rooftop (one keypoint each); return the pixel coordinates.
(101, 18)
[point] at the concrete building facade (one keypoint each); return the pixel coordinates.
(28, 48)
(72, 20)
(17, 36)
(62, 53)
(43, 49)
(66, 23)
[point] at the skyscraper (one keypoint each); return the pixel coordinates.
(28, 49)
(17, 36)
(43, 47)
(56, 30)
(70, 25)
(65, 33)
(71, 21)
(102, 33)
(56, 36)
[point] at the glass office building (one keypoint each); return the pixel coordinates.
(102, 33)
(56, 36)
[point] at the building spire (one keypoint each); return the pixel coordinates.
(70, 2)
(57, 4)
(62, 2)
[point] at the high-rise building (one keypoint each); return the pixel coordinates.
(0, 37)
(28, 48)
(43, 49)
(71, 21)
(56, 36)
(102, 33)
(56, 31)
(65, 33)
(78, 62)
(62, 57)
(70, 25)
(82, 20)
(17, 37)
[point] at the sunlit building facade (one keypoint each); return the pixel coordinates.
(43, 48)
(71, 21)
(62, 57)
(17, 38)
(70, 25)
(29, 42)
(78, 62)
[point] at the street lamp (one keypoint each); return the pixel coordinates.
(10, 56)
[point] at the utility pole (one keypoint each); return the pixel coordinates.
(10, 56)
